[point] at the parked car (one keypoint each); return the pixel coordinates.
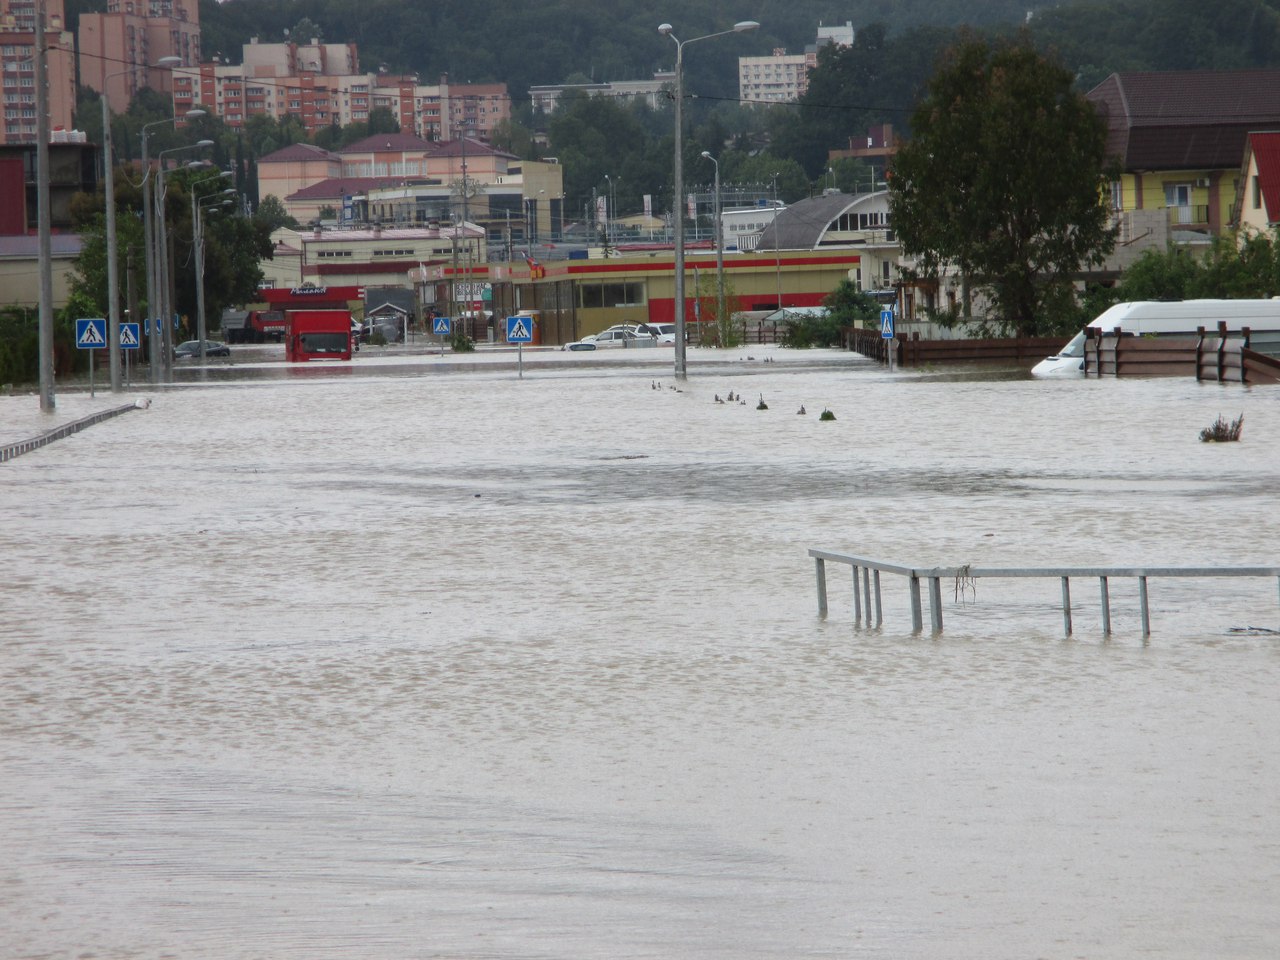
(612, 338)
(664, 332)
(191, 348)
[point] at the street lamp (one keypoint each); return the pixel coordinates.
(678, 200)
(720, 317)
(220, 199)
(153, 339)
(777, 247)
(113, 274)
(162, 252)
(613, 208)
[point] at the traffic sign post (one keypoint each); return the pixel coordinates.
(520, 332)
(886, 333)
(91, 335)
(130, 340)
(441, 327)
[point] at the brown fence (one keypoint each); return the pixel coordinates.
(1222, 357)
(913, 351)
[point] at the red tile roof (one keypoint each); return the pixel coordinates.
(299, 151)
(338, 187)
(1266, 152)
(383, 142)
(1183, 120)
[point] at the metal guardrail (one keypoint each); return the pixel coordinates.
(866, 584)
(16, 449)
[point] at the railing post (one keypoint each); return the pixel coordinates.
(1142, 603)
(917, 621)
(866, 591)
(857, 597)
(935, 603)
(1106, 606)
(1066, 604)
(879, 613)
(820, 569)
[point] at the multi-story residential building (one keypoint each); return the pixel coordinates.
(777, 78)
(1258, 209)
(653, 92)
(18, 32)
(782, 77)
(1180, 139)
(119, 48)
(321, 84)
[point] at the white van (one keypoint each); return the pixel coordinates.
(1171, 318)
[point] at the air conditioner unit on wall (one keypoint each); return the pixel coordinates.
(1202, 182)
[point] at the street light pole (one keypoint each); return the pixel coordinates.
(113, 272)
(162, 256)
(777, 247)
(720, 317)
(43, 219)
(678, 176)
(197, 237)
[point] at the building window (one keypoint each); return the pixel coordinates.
(1257, 194)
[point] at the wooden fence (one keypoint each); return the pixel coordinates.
(1222, 357)
(913, 351)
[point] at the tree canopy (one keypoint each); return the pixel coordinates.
(1004, 179)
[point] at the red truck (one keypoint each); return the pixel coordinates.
(317, 335)
(253, 326)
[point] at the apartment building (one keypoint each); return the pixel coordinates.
(119, 48)
(783, 77)
(546, 99)
(18, 69)
(321, 84)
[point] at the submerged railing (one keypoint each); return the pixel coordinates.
(16, 449)
(866, 584)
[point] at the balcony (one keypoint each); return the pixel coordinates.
(1189, 217)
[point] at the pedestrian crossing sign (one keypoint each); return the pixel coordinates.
(130, 338)
(519, 329)
(886, 324)
(440, 326)
(91, 334)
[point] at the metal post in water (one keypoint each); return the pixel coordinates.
(1106, 606)
(820, 570)
(857, 596)
(1142, 602)
(1066, 605)
(866, 592)
(879, 613)
(917, 620)
(935, 604)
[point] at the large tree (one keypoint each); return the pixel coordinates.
(1004, 178)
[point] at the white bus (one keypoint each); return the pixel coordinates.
(1172, 318)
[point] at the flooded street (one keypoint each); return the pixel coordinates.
(418, 663)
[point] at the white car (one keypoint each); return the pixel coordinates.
(664, 333)
(612, 338)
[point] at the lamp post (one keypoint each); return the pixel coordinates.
(220, 199)
(153, 338)
(162, 256)
(113, 273)
(720, 317)
(43, 220)
(613, 209)
(777, 247)
(678, 176)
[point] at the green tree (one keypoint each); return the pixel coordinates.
(1004, 178)
(273, 215)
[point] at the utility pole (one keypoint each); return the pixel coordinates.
(44, 221)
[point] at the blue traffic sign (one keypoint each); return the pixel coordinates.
(440, 326)
(130, 337)
(519, 329)
(886, 324)
(91, 334)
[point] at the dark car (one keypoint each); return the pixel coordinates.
(191, 348)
